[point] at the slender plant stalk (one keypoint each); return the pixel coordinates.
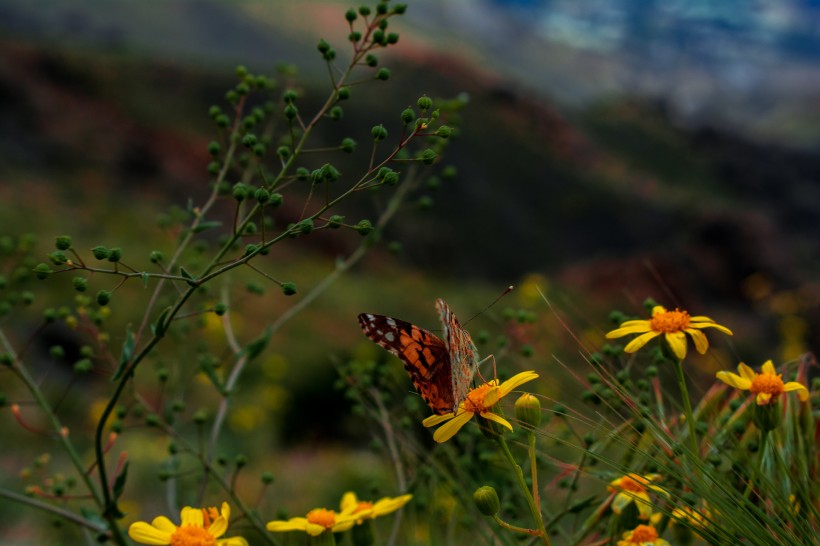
(687, 407)
(519, 474)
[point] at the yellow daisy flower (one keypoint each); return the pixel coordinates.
(370, 510)
(315, 523)
(673, 325)
(634, 488)
(479, 401)
(643, 535)
(766, 386)
(198, 527)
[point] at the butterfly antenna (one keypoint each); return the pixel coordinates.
(504, 293)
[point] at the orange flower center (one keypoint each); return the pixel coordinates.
(475, 399)
(643, 533)
(190, 535)
(323, 517)
(362, 506)
(632, 483)
(763, 382)
(669, 321)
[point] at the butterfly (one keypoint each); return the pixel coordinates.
(441, 369)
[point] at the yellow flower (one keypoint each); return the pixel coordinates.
(316, 522)
(370, 510)
(199, 527)
(634, 488)
(767, 385)
(692, 516)
(644, 535)
(479, 401)
(673, 325)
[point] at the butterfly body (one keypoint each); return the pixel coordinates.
(441, 369)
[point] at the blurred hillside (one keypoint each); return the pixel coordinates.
(615, 196)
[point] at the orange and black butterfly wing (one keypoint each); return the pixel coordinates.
(425, 357)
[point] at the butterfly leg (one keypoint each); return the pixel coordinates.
(482, 361)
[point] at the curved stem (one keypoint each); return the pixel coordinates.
(519, 474)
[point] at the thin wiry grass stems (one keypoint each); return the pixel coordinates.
(54, 511)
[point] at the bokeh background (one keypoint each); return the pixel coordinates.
(610, 151)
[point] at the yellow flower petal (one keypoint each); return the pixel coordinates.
(802, 391)
(715, 325)
(763, 398)
(293, 524)
(620, 502)
(658, 310)
(191, 516)
(734, 380)
(146, 534)
(746, 372)
(491, 397)
(388, 505)
(515, 381)
(490, 416)
(164, 524)
(434, 420)
(677, 342)
(314, 529)
(449, 429)
(640, 341)
(344, 524)
(233, 541)
(630, 327)
(768, 368)
(698, 337)
(349, 499)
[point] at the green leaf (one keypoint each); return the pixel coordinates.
(255, 347)
(125, 356)
(159, 327)
(186, 275)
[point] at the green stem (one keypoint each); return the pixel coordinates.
(534, 509)
(687, 407)
(758, 471)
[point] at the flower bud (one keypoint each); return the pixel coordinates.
(444, 131)
(528, 410)
(114, 255)
(379, 133)
(336, 113)
(364, 227)
(288, 288)
(262, 195)
(58, 257)
(486, 499)
(249, 140)
(214, 148)
(240, 191)
(80, 284)
(766, 416)
(350, 15)
(399, 9)
(364, 11)
(428, 156)
(63, 242)
(291, 111)
(103, 297)
(41, 271)
(371, 60)
(155, 256)
(335, 221)
(343, 93)
(383, 74)
(408, 116)
(275, 200)
(348, 145)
